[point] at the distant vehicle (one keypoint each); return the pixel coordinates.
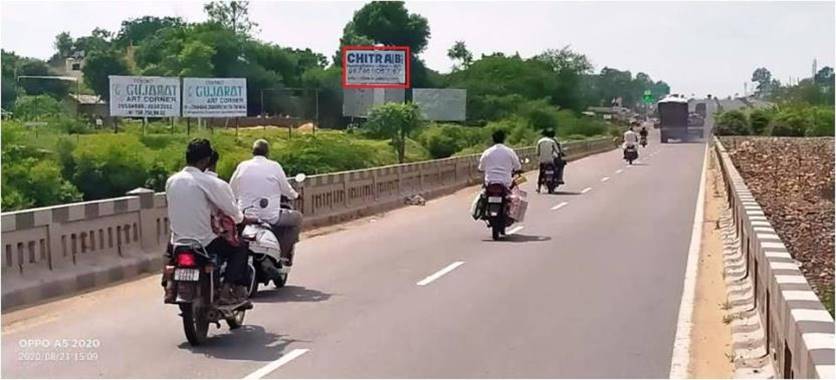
(695, 120)
(674, 120)
(700, 109)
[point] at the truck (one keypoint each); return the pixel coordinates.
(674, 120)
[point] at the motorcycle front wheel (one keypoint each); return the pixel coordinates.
(195, 323)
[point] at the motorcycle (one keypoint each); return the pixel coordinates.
(192, 280)
(264, 249)
(503, 206)
(549, 177)
(631, 153)
(643, 141)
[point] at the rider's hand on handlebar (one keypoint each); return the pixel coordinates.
(250, 220)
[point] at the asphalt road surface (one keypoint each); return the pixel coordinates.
(588, 286)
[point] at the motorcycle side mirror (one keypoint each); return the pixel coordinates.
(263, 202)
(300, 178)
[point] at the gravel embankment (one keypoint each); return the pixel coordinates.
(792, 179)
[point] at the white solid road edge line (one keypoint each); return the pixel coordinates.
(440, 273)
(274, 365)
(682, 341)
(560, 205)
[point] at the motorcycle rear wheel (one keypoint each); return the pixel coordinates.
(551, 186)
(496, 232)
(195, 324)
(281, 281)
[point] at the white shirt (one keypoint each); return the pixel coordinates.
(259, 178)
(192, 196)
(630, 138)
(499, 163)
(547, 150)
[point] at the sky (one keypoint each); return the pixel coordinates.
(696, 47)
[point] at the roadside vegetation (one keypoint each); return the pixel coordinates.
(51, 156)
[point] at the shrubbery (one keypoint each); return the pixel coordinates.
(790, 120)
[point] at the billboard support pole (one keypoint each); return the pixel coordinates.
(316, 124)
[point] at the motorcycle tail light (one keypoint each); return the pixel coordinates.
(186, 259)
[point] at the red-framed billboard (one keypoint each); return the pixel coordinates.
(376, 67)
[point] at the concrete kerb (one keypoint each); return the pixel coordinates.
(799, 331)
(62, 250)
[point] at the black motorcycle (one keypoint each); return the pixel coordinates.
(548, 177)
(631, 153)
(192, 280)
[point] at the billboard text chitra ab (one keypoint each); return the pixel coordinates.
(376, 67)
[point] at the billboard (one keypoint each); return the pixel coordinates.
(358, 101)
(144, 96)
(375, 66)
(214, 97)
(441, 104)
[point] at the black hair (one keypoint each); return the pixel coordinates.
(197, 150)
(498, 136)
(548, 132)
(213, 159)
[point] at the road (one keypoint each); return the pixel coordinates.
(590, 286)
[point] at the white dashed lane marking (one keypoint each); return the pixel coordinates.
(584, 191)
(605, 179)
(560, 205)
(437, 275)
(274, 365)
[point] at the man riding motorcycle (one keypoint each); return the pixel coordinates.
(550, 153)
(643, 135)
(259, 178)
(499, 162)
(193, 196)
(630, 139)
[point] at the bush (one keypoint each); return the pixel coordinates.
(823, 122)
(110, 165)
(37, 107)
(443, 140)
(790, 122)
(732, 123)
(759, 120)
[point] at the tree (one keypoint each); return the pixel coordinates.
(99, 65)
(824, 77)
(196, 60)
(459, 52)
(63, 44)
(568, 67)
(388, 23)
(395, 121)
(135, 31)
(765, 82)
(732, 123)
(233, 15)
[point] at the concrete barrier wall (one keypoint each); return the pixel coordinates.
(799, 331)
(57, 250)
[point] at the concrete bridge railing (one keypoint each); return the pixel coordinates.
(799, 331)
(52, 251)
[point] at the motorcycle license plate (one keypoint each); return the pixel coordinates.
(182, 274)
(494, 199)
(549, 172)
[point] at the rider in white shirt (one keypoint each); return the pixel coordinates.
(630, 138)
(192, 197)
(499, 162)
(549, 152)
(260, 177)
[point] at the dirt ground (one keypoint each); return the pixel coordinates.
(792, 178)
(710, 338)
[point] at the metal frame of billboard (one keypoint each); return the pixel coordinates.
(408, 57)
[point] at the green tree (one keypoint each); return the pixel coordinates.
(97, 41)
(568, 67)
(765, 82)
(63, 44)
(458, 52)
(389, 23)
(9, 63)
(98, 66)
(394, 121)
(196, 60)
(137, 30)
(234, 15)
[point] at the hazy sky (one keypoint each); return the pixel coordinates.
(697, 47)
